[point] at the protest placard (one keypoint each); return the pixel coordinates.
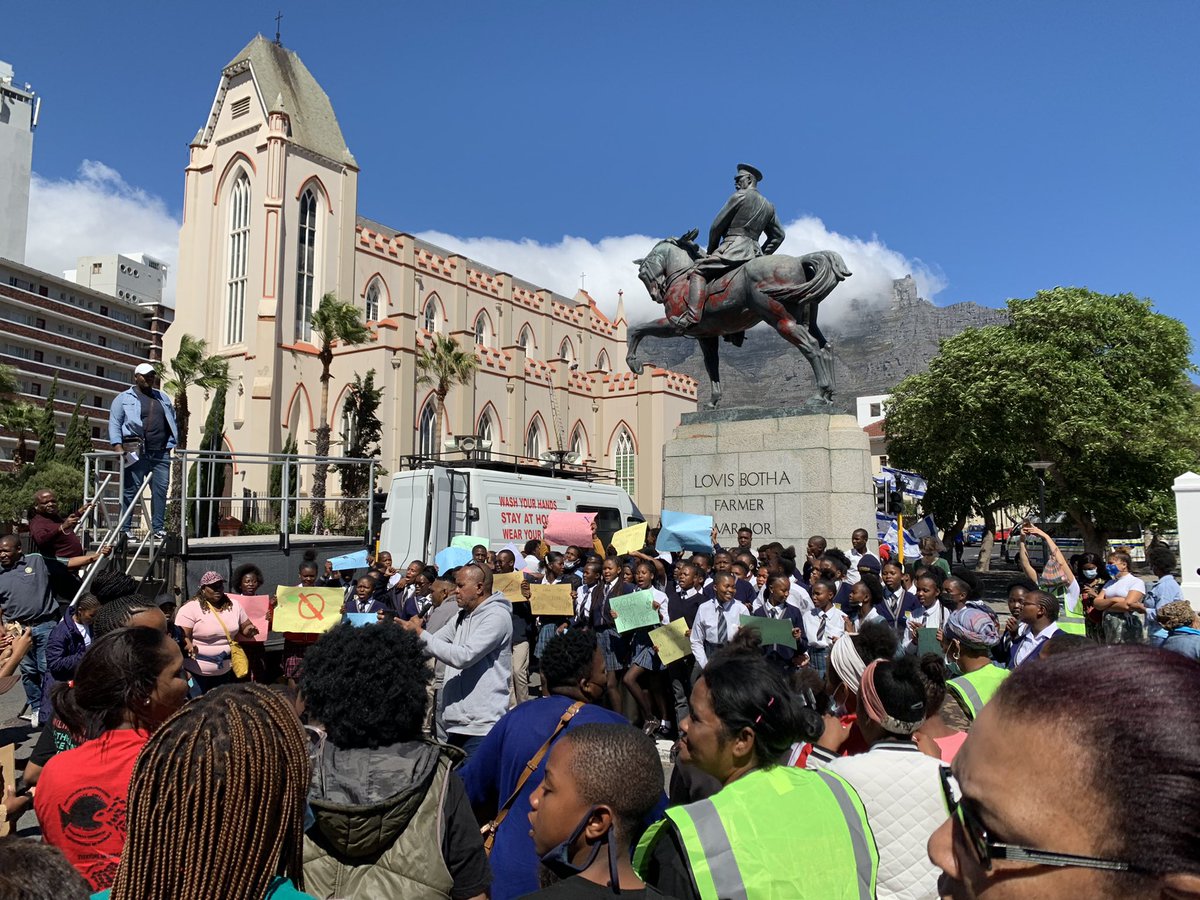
(551, 600)
(509, 584)
(356, 560)
(468, 542)
(362, 620)
(685, 531)
(672, 641)
(630, 539)
(452, 558)
(256, 608)
(307, 610)
(634, 610)
(569, 529)
(772, 631)
(927, 642)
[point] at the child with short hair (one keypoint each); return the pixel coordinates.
(602, 781)
(823, 624)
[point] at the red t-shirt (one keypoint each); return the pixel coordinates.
(80, 802)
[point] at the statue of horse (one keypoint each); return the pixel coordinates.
(783, 291)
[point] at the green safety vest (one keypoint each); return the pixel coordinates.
(1070, 620)
(976, 688)
(739, 844)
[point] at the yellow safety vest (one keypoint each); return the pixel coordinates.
(741, 845)
(1070, 620)
(976, 688)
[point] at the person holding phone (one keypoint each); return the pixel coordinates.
(54, 535)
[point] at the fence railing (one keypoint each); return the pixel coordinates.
(216, 492)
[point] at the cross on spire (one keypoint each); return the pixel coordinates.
(582, 276)
(278, 18)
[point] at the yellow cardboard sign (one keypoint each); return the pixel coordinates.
(551, 600)
(672, 641)
(627, 540)
(509, 584)
(307, 610)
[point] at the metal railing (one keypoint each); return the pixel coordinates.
(269, 492)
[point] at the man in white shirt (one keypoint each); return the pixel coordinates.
(1038, 614)
(718, 620)
(858, 552)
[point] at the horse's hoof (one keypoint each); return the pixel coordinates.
(634, 366)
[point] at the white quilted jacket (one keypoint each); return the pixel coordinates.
(901, 790)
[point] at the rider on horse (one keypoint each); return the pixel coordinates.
(732, 241)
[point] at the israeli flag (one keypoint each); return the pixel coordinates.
(889, 535)
(911, 483)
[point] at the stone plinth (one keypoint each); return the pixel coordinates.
(785, 473)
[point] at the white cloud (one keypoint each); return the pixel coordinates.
(94, 214)
(608, 264)
(99, 212)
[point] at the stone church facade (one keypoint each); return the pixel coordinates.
(271, 225)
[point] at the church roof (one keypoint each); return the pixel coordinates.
(279, 73)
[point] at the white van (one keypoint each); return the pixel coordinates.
(427, 507)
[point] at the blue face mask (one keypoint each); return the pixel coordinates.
(558, 859)
(1112, 570)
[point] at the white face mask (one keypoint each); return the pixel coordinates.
(1090, 573)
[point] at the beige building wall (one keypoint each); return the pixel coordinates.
(272, 136)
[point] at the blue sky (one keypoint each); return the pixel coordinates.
(999, 148)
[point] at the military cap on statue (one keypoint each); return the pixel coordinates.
(746, 167)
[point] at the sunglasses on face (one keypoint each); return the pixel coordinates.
(986, 849)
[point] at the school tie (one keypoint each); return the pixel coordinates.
(722, 627)
(821, 627)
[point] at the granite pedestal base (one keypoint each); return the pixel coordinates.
(786, 474)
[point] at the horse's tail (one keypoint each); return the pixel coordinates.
(821, 273)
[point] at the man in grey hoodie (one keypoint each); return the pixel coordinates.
(475, 649)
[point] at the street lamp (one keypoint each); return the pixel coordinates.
(1040, 466)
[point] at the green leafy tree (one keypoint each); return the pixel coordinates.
(191, 367)
(1096, 384)
(79, 438)
(22, 420)
(18, 487)
(8, 385)
(444, 365)
(47, 434)
(333, 322)
(207, 476)
(362, 403)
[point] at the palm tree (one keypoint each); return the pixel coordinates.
(21, 419)
(443, 365)
(332, 321)
(190, 367)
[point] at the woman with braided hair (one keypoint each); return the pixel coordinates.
(128, 682)
(216, 803)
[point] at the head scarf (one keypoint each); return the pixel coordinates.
(973, 627)
(847, 662)
(872, 705)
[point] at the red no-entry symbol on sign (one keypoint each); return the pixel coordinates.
(310, 610)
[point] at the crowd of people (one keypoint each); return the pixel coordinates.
(907, 741)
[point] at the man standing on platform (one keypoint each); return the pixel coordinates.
(141, 424)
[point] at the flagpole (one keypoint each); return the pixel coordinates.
(900, 522)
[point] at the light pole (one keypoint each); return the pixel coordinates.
(1039, 467)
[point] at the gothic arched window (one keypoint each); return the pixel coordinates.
(238, 243)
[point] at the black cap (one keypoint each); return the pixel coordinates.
(746, 167)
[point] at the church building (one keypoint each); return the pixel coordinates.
(271, 225)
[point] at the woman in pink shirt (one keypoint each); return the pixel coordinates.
(208, 622)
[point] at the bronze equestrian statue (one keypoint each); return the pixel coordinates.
(738, 284)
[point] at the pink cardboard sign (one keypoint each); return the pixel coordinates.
(256, 608)
(569, 529)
